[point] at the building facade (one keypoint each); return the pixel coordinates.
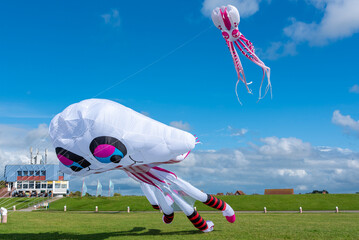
(36, 180)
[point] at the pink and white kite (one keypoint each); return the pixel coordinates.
(226, 19)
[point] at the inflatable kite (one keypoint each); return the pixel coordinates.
(96, 135)
(226, 19)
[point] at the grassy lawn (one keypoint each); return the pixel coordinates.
(77, 225)
(239, 203)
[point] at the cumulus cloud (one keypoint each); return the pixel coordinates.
(245, 8)
(181, 125)
(354, 89)
(284, 147)
(272, 163)
(237, 132)
(279, 49)
(347, 122)
(292, 173)
(112, 18)
(340, 20)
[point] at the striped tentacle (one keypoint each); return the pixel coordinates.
(156, 207)
(198, 221)
(216, 203)
(168, 218)
(248, 51)
(238, 67)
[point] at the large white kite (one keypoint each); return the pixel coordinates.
(97, 135)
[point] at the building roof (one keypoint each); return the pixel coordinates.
(278, 191)
(49, 172)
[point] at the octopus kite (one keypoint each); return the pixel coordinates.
(226, 19)
(97, 135)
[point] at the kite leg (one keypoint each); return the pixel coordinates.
(193, 216)
(150, 195)
(207, 199)
(165, 203)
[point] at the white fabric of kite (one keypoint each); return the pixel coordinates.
(98, 135)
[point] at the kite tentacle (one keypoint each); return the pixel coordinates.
(172, 189)
(250, 54)
(238, 67)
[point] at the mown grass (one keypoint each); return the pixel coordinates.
(148, 225)
(239, 203)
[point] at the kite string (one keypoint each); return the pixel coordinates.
(154, 62)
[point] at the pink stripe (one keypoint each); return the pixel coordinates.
(154, 177)
(225, 18)
(142, 180)
(187, 154)
(164, 170)
(242, 51)
(152, 183)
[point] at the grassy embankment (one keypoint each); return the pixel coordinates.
(238, 203)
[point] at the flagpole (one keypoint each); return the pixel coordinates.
(82, 189)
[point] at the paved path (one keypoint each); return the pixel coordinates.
(29, 209)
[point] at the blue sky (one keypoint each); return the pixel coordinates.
(167, 60)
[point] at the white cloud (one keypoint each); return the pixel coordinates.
(340, 20)
(353, 164)
(181, 125)
(347, 122)
(292, 172)
(278, 49)
(354, 89)
(302, 187)
(245, 8)
(237, 132)
(284, 147)
(112, 18)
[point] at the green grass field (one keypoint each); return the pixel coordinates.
(81, 225)
(238, 203)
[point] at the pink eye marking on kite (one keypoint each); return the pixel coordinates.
(104, 150)
(235, 33)
(64, 160)
(225, 35)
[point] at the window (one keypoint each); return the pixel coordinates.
(19, 185)
(64, 186)
(19, 173)
(26, 173)
(37, 173)
(31, 173)
(57, 185)
(43, 173)
(25, 185)
(37, 185)
(31, 184)
(49, 186)
(43, 185)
